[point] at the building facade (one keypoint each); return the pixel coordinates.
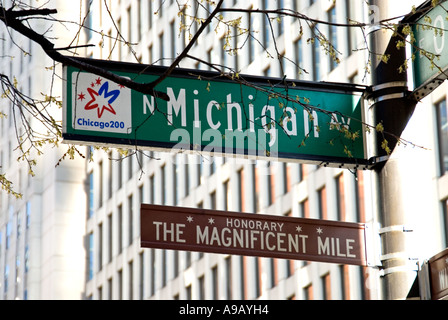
(112, 265)
(120, 268)
(42, 254)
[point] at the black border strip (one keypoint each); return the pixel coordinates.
(120, 66)
(326, 161)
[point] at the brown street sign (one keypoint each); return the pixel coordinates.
(438, 267)
(190, 229)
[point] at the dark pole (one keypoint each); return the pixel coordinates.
(391, 107)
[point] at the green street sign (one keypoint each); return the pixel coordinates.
(264, 118)
(430, 50)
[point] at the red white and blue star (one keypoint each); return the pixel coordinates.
(100, 99)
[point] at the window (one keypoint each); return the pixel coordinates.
(110, 288)
(243, 275)
(175, 263)
(110, 237)
(241, 192)
(213, 200)
(120, 172)
(8, 234)
(273, 272)
(227, 199)
(100, 184)
(445, 219)
(201, 288)
(129, 27)
(130, 165)
(131, 279)
(120, 228)
(326, 286)
(28, 214)
(120, 284)
(153, 272)
(287, 177)
(139, 21)
(177, 178)
(345, 285)
(228, 282)
(258, 275)
(333, 36)
(164, 265)
(141, 275)
(27, 258)
(322, 196)
(188, 292)
(100, 246)
(88, 21)
(151, 189)
(280, 27)
(305, 209)
(150, 13)
(442, 123)
(308, 293)
(360, 202)
(351, 32)
(130, 219)
(109, 177)
(91, 195)
(251, 41)
(316, 55)
(267, 27)
(215, 282)
(118, 36)
(163, 184)
(5, 277)
(91, 252)
(340, 197)
(271, 183)
(173, 40)
(161, 51)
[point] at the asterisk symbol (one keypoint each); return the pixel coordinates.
(299, 229)
(319, 230)
(211, 220)
(81, 96)
(190, 219)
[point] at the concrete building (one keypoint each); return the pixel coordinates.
(42, 253)
(118, 181)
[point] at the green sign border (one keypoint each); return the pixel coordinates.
(323, 91)
(427, 76)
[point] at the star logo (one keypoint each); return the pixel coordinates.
(299, 229)
(211, 220)
(319, 230)
(190, 219)
(100, 105)
(102, 99)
